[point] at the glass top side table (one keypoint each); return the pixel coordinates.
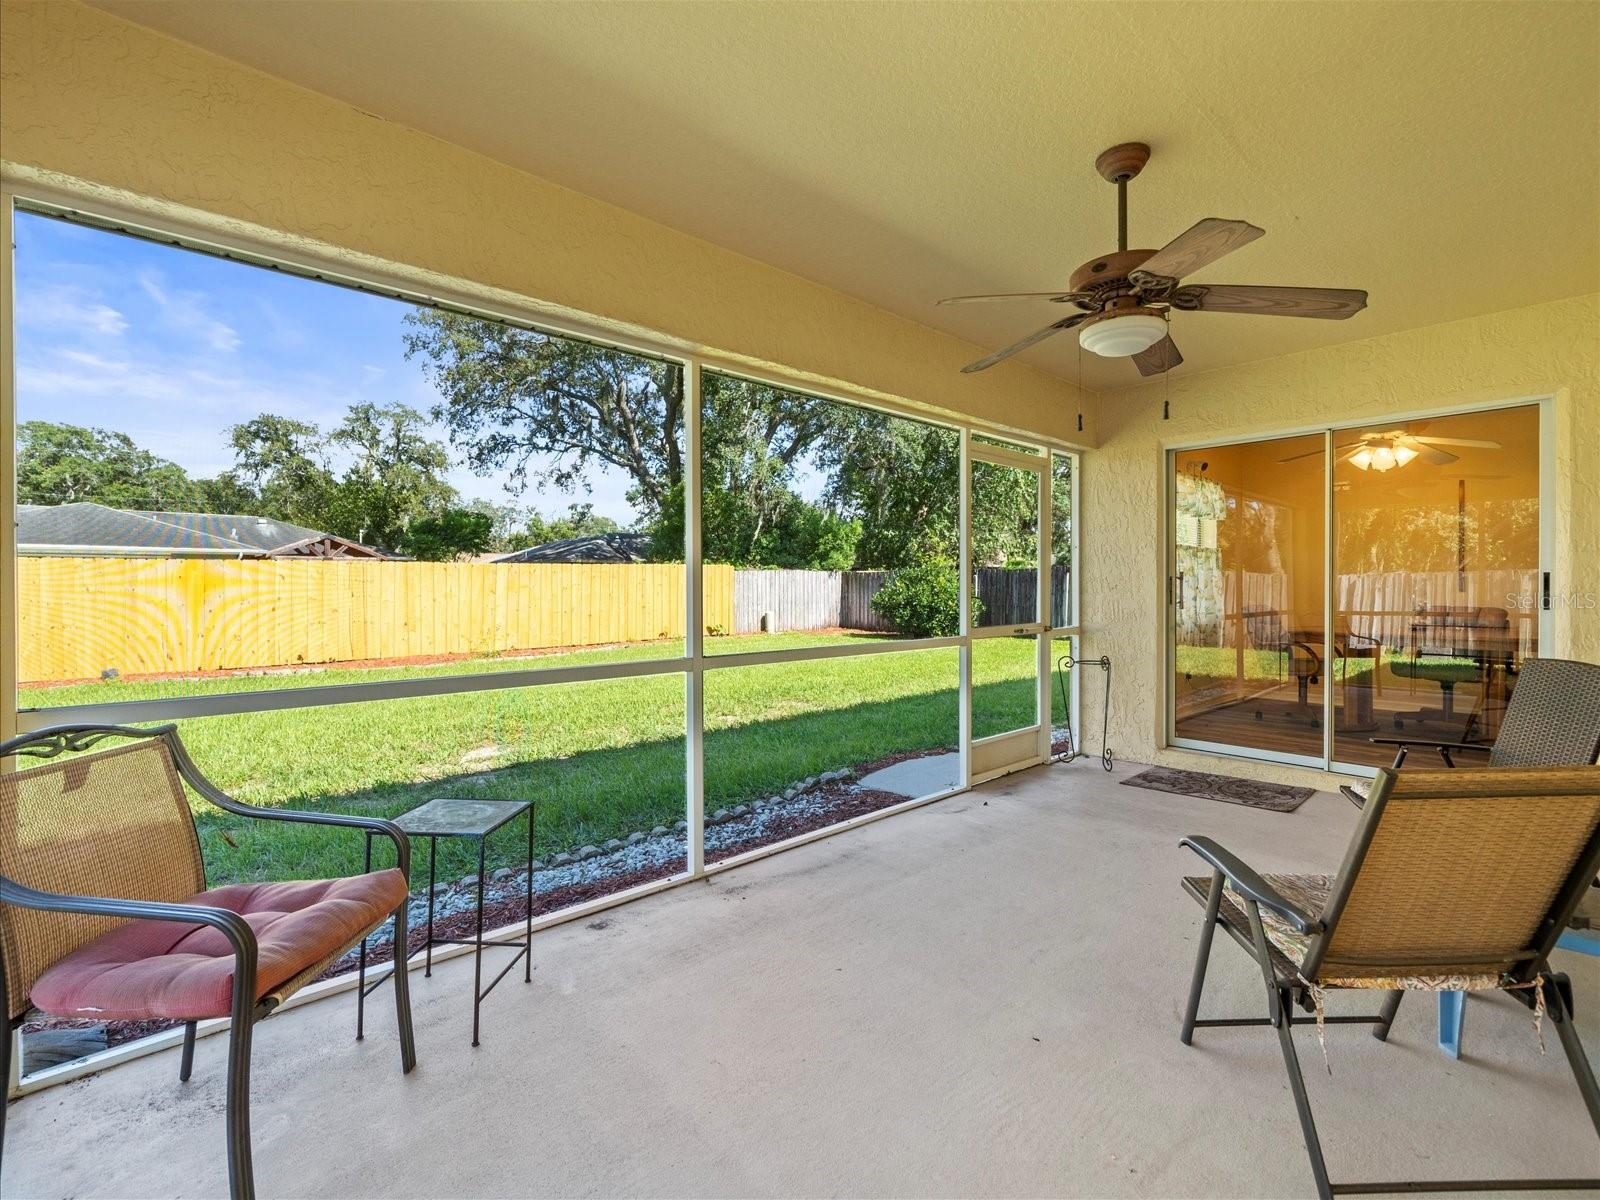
(477, 819)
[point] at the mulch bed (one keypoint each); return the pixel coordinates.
(840, 802)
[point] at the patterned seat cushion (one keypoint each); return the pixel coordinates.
(165, 969)
(1308, 893)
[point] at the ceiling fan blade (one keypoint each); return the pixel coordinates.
(1158, 359)
(1203, 242)
(1437, 457)
(984, 364)
(1438, 441)
(1338, 452)
(1058, 297)
(1331, 304)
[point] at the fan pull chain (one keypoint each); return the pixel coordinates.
(1080, 385)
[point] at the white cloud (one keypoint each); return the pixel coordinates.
(184, 312)
(70, 309)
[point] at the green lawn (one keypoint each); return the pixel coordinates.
(1222, 662)
(601, 759)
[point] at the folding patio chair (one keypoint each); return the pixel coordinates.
(104, 910)
(1455, 880)
(1552, 720)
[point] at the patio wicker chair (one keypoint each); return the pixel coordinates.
(104, 910)
(1454, 880)
(1552, 720)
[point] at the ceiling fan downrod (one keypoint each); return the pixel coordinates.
(1118, 165)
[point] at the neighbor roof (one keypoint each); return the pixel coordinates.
(596, 548)
(89, 528)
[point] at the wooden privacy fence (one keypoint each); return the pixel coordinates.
(79, 618)
(806, 600)
(843, 599)
(1010, 595)
(86, 618)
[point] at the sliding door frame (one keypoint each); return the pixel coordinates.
(1546, 404)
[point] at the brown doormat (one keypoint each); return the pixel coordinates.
(1250, 792)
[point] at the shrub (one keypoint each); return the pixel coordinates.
(922, 601)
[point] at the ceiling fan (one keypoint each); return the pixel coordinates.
(1395, 448)
(1125, 297)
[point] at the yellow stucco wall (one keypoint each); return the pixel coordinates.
(1549, 349)
(169, 128)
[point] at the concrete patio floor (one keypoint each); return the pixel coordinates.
(980, 997)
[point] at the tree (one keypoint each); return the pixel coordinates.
(397, 475)
(226, 493)
(453, 534)
(546, 409)
(900, 480)
(66, 464)
(283, 461)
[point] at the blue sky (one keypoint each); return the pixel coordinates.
(172, 347)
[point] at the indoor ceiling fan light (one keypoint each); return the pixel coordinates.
(1122, 337)
(1383, 458)
(1403, 455)
(1361, 459)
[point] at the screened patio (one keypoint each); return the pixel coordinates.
(619, 410)
(942, 1003)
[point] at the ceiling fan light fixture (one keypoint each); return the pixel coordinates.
(1403, 455)
(1122, 336)
(1362, 459)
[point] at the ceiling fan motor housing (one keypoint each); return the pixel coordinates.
(1105, 278)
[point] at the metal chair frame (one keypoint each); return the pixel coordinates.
(1284, 993)
(1448, 749)
(57, 740)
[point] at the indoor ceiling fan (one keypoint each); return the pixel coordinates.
(1125, 297)
(1392, 448)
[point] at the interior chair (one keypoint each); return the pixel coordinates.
(1553, 720)
(1455, 880)
(104, 910)
(1450, 645)
(1266, 631)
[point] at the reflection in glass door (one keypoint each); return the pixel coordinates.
(1436, 553)
(1247, 597)
(1433, 544)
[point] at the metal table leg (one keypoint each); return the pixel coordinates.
(477, 949)
(433, 856)
(527, 933)
(361, 969)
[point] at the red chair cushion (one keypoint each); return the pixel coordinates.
(148, 969)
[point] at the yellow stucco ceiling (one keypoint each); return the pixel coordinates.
(1444, 156)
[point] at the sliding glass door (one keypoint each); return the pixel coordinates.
(1336, 586)
(1247, 597)
(1436, 541)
